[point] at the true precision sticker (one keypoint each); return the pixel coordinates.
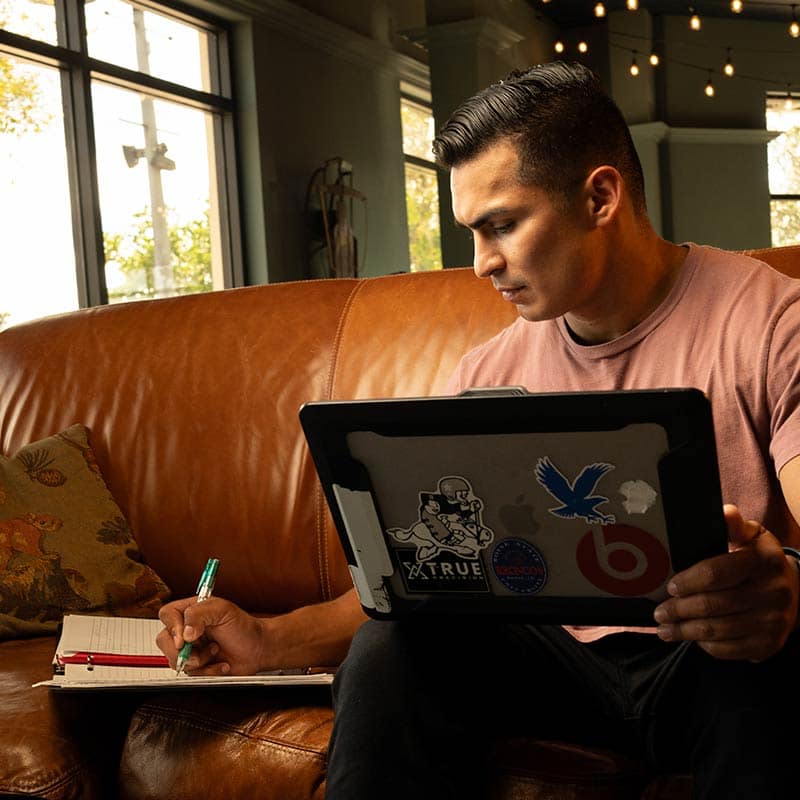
(519, 566)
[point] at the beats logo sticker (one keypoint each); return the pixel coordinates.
(623, 560)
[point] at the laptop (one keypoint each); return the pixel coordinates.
(556, 508)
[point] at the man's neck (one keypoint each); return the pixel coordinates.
(644, 273)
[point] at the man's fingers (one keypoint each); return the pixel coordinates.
(740, 531)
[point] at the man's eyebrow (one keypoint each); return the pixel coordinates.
(480, 221)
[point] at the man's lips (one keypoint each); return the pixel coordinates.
(510, 293)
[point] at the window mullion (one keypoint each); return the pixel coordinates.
(79, 131)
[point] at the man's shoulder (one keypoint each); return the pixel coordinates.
(740, 275)
(732, 264)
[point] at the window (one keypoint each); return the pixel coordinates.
(422, 192)
(116, 155)
(783, 114)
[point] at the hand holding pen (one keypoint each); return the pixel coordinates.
(204, 589)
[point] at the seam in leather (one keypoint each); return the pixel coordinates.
(65, 776)
(224, 729)
(323, 556)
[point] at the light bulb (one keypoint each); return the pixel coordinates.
(583, 47)
(736, 6)
(632, 5)
(694, 20)
(654, 59)
(794, 29)
(559, 46)
(729, 69)
(599, 10)
(634, 68)
(709, 90)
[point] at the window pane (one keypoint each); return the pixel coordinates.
(37, 275)
(418, 130)
(33, 18)
(785, 218)
(784, 150)
(122, 34)
(422, 208)
(155, 164)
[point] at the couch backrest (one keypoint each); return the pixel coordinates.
(192, 406)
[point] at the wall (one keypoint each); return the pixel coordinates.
(311, 89)
(319, 79)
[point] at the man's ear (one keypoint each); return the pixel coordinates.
(604, 189)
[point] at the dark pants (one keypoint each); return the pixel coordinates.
(418, 705)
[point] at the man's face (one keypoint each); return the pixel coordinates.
(539, 251)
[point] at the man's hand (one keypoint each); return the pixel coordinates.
(225, 640)
(228, 641)
(740, 605)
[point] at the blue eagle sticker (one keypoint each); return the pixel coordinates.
(577, 498)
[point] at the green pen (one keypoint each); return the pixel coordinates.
(204, 589)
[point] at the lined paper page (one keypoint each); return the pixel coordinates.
(127, 675)
(120, 635)
(77, 676)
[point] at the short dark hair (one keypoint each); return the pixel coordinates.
(561, 121)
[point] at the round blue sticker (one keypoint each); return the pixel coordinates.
(519, 566)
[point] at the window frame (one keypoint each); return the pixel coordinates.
(77, 71)
(421, 97)
(794, 198)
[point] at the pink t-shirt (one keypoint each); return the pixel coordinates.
(730, 326)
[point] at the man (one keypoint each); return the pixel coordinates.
(545, 176)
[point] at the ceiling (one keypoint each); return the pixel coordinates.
(580, 12)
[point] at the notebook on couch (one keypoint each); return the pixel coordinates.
(571, 508)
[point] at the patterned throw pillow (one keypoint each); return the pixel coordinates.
(65, 545)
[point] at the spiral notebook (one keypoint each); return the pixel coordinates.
(572, 508)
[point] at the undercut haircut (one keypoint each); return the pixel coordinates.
(561, 121)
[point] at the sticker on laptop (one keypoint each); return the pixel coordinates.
(449, 521)
(519, 566)
(445, 572)
(639, 496)
(577, 497)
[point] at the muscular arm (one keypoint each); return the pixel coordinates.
(790, 483)
(228, 640)
(317, 634)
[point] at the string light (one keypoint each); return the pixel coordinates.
(654, 59)
(599, 10)
(729, 69)
(583, 47)
(709, 90)
(632, 5)
(694, 21)
(558, 46)
(737, 6)
(634, 67)
(794, 27)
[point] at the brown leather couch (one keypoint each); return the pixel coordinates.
(192, 405)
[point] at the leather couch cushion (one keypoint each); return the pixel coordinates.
(277, 738)
(56, 745)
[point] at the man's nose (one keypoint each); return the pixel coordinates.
(487, 259)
